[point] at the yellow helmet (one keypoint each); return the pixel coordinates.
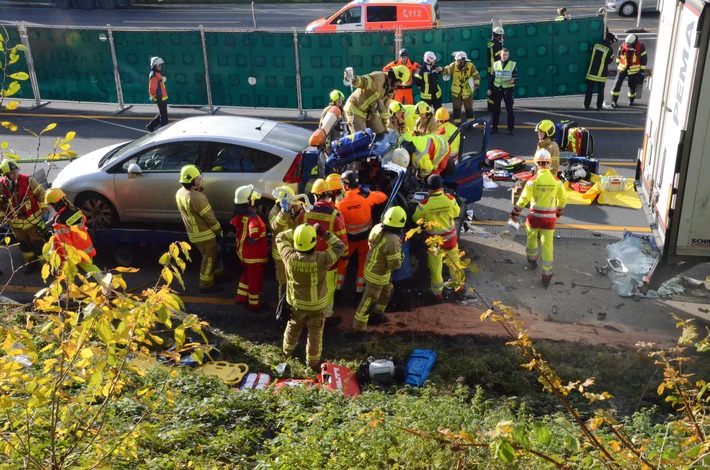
(320, 186)
(53, 195)
(546, 126)
(7, 166)
(542, 155)
(395, 107)
(336, 95)
(402, 73)
(189, 173)
(284, 192)
(395, 217)
(423, 107)
(335, 183)
(304, 237)
(441, 114)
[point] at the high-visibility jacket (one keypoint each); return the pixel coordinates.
(156, 87)
(22, 201)
(408, 124)
(280, 221)
(560, 18)
(460, 77)
(428, 125)
(602, 56)
(554, 149)
(306, 287)
(547, 197)
(383, 257)
(431, 154)
(428, 82)
(64, 235)
(252, 246)
(632, 60)
(356, 208)
(197, 215)
(369, 95)
(331, 219)
(443, 209)
(447, 129)
(494, 48)
(503, 73)
(411, 65)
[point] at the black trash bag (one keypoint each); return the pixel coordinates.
(283, 309)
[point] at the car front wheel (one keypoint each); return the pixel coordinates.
(98, 210)
(628, 9)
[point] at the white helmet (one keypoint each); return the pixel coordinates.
(499, 30)
(630, 39)
(246, 194)
(156, 61)
(429, 58)
(401, 158)
(460, 55)
(542, 155)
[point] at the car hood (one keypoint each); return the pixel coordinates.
(87, 164)
(315, 24)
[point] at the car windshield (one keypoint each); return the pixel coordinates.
(289, 137)
(128, 147)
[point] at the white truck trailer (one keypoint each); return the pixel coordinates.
(673, 170)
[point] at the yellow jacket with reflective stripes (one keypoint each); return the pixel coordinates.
(384, 256)
(554, 149)
(279, 221)
(408, 124)
(197, 215)
(22, 203)
(460, 77)
(442, 210)
(307, 288)
(371, 91)
(447, 130)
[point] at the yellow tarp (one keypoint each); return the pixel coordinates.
(626, 198)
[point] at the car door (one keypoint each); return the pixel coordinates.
(350, 19)
(150, 195)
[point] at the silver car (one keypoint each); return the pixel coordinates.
(630, 7)
(136, 182)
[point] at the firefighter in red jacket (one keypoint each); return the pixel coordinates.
(325, 214)
(632, 59)
(21, 207)
(158, 94)
(356, 208)
(404, 90)
(69, 226)
(252, 248)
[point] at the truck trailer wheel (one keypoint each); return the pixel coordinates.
(64, 4)
(85, 4)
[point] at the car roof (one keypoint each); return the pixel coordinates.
(244, 128)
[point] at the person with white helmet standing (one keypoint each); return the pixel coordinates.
(158, 93)
(367, 104)
(465, 81)
(495, 45)
(547, 198)
(631, 60)
(427, 80)
(404, 90)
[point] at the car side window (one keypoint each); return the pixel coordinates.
(238, 159)
(166, 158)
(351, 15)
(378, 14)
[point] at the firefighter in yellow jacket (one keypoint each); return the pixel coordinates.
(429, 154)
(307, 290)
(547, 198)
(283, 216)
(465, 81)
(426, 122)
(403, 117)
(21, 207)
(545, 132)
(202, 226)
(367, 105)
(383, 257)
(447, 130)
(439, 211)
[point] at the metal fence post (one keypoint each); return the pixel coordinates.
(207, 70)
(302, 115)
(22, 29)
(116, 73)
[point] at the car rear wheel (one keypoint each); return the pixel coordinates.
(98, 210)
(628, 9)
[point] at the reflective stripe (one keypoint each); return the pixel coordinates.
(358, 229)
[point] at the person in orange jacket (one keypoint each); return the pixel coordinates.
(356, 208)
(325, 214)
(403, 94)
(252, 248)
(66, 217)
(158, 94)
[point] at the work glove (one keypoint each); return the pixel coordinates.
(164, 79)
(284, 204)
(513, 218)
(559, 212)
(320, 230)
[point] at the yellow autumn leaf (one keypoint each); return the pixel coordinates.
(49, 127)
(12, 105)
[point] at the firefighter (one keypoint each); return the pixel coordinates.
(383, 257)
(545, 132)
(366, 106)
(562, 14)
(547, 197)
(66, 217)
(203, 229)
(337, 98)
(356, 208)
(283, 216)
(465, 81)
(426, 123)
(429, 154)
(495, 45)
(632, 60)
(447, 130)
(438, 212)
(158, 94)
(427, 79)
(505, 74)
(22, 207)
(325, 214)
(598, 69)
(252, 248)
(307, 290)
(404, 90)
(335, 186)
(403, 117)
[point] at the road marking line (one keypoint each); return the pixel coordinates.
(604, 228)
